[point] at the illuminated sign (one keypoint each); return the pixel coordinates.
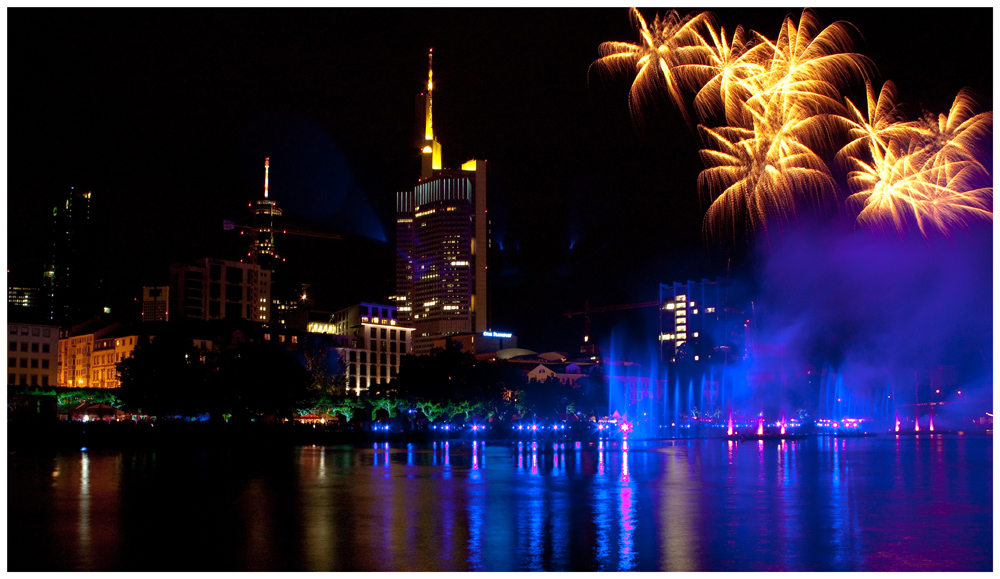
(489, 334)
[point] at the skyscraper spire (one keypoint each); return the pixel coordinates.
(429, 116)
(430, 151)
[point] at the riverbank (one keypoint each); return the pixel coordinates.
(69, 435)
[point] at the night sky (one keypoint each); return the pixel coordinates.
(167, 115)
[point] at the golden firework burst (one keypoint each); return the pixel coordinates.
(782, 105)
(927, 174)
(672, 42)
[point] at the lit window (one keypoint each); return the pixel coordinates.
(682, 328)
(695, 334)
(682, 336)
(681, 298)
(691, 304)
(696, 358)
(669, 306)
(695, 312)
(681, 321)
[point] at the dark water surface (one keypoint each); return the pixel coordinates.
(867, 504)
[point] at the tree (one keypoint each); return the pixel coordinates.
(327, 370)
(445, 374)
(345, 406)
(168, 375)
(390, 405)
(430, 409)
(164, 376)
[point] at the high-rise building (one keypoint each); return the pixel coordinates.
(215, 289)
(69, 284)
(375, 343)
(156, 304)
(698, 320)
(442, 244)
(263, 213)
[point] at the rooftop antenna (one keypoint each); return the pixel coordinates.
(267, 162)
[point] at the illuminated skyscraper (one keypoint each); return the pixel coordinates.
(264, 211)
(441, 244)
(69, 284)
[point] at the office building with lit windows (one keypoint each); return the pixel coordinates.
(27, 298)
(373, 344)
(32, 354)
(442, 244)
(215, 289)
(700, 323)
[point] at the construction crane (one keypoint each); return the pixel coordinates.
(230, 225)
(588, 347)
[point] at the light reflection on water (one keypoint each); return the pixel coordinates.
(888, 503)
(626, 524)
(84, 523)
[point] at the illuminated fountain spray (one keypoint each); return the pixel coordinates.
(760, 425)
(729, 424)
(676, 419)
(897, 421)
(932, 419)
(782, 423)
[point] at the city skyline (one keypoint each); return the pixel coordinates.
(169, 118)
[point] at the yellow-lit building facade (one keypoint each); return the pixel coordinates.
(105, 356)
(74, 361)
